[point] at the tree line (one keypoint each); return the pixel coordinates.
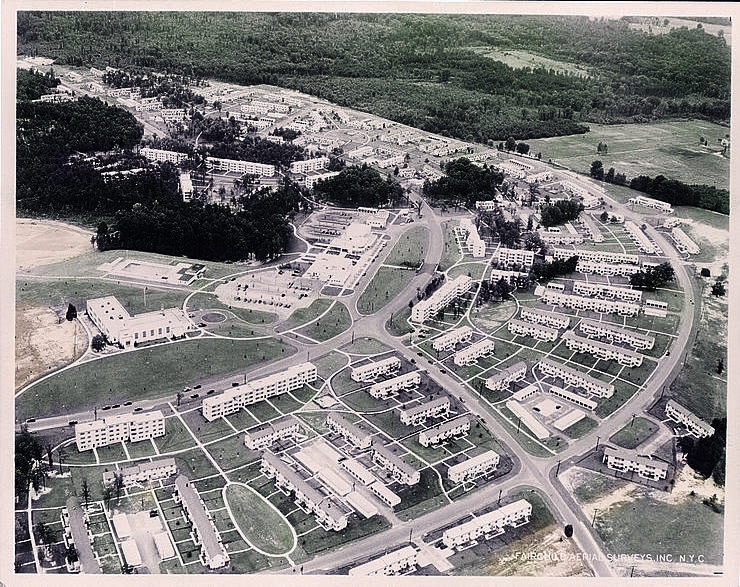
(435, 72)
(463, 184)
(359, 186)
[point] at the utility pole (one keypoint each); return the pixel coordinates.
(593, 521)
(500, 491)
(518, 425)
(633, 420)
(598, 438)
(558, 469)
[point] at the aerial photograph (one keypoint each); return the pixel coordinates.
(370, 293)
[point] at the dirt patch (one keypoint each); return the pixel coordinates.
(686, 482)
(43, 343)
(542, 554)
(42, 242)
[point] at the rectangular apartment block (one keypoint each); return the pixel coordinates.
(600, 305)
(450, 340)
(265, 435)
(514, 257)
(389, 564)
(120, 428)
(588, 288)
(371, 371)
(611, 331)
(572, 397)
(693, 423)
(445, 430)
(551, 319)
(501, 380)
(576, 378)
(491, 524)
(472, 353)
(382, 389)
(474, 467)
(142, 473)
(597, 256)
(602, 350)
(399, 469)
(431, 409)
(340, 424)
(625, 460)
(441, 298)
(538, 331)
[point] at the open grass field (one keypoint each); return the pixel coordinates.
(257, 519)
(410, 247)
(689, 527)
(398, 324)
(334, 322)
(668, 148)
(634, 433)
(302, 316)
(592, 485)
(451, 252)
(42, 242)
(519, 59)
(329, 364)
(365, 345)
(384, 286)
(143, 374)
(474, 270)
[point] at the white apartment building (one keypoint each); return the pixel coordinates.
(341, 425)
(392, 563)
(399, 469)
(575, 189)
(538, 331)
(236, 166)
(76, 533)
(511, 277)
(309, 165)
(635, 339)
(602, 350)
(173, 114)
(639, 238)
(474, 467)
(329, 513)
(589, 288)
(128, 427)
(593, 229)
(572, 397)
(486, 205)
(555, 236)
(451, 339)
(441, 298)
(186, 187)
(162, 155)
(142, 473)
(576, 378)
(119, 327)
(472, 353)
(625, 460)
(525, 393)
(358, 471)
(235, 398)
(597, 256)
(684, 242)
(491, 524)
(693, 423)
(311, 178)
(382, 389)
(501, 380)
(651, 203)
(432, 409)
(513, 257)
(264, 435)
(606, 269)
(445, 430)
(476, 245)
(204, 532)
(600, 305)
(384, 494)
(371, 371)
(552, 319)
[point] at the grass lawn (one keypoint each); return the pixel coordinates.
(638, 375)
(231, 453)
(204, 430)
(314, 421)
(285, 403)
(451, 252)
(474, 270)
(623, 391)
(144, 374)
(421, 498)
(336, 321)
(398, 324)
(142, 449)
(650, 525)
(389, 423)
(303, 315)
(580, 428)
(112, 453)
(208, 301)
(263, 411)
(634, 433)
(195, 464)
(668, 148)
(595, 485)
(365, 345)
(177, 437)
(249, 562)
(321, 540)
(330, 363)
(259, 522)
(77, 291)
(410, 247)
(385, 285)
(242, 420)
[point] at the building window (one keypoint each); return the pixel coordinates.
(160, 331)
(136, 335)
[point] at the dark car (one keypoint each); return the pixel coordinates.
(211, 391)
(197, 386)
(116, 406)
(139, 409)
(127, 403)
(30, 420)
(195, 396)
(234, 384)
(106, 407)
(72, 423)
(153, 513)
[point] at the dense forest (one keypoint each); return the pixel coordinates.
(428, 71)
(560, 212)
(359, 186)
(31, 85)
(464, 183)
(678, 193)
(65, 152)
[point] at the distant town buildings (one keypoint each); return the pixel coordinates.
(127, 427)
